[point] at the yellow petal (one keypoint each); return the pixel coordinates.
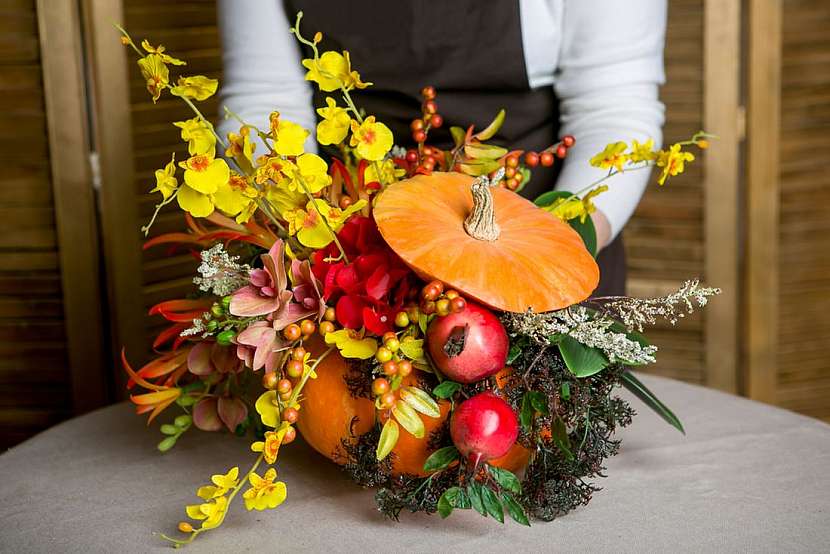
(209, 179)
(194, 202)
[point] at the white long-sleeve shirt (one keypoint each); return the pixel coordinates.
(604, 59)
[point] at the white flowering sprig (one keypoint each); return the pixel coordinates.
(584, 326)
(221, 273)
(638, 312)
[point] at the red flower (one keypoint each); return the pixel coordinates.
(372, 287)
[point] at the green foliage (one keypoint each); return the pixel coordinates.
(441, 459)
(582, 361)
(638, 389)
(446, 389)
(586, 230)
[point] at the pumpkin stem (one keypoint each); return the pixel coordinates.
(481, 223)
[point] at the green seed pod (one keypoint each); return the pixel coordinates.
(185, 401)
(169, 429)
(183, 421)
(212, 325)
(225, 337)
(167, 444)
(217, 310)
(226, 301)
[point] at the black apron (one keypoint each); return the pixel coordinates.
(471, 52)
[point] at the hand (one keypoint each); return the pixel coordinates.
(603, 228)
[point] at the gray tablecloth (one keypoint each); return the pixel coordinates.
(746, 477)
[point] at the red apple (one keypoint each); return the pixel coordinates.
(484, 427)
(469, 345)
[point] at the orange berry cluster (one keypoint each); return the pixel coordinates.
(435, 300)
(546, 158)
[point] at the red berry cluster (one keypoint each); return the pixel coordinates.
(435, 300)
(512, 175)
(427, 158)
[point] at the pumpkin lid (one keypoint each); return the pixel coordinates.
(500, 249)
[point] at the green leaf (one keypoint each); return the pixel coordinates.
(420, 401)
(441, 459)
(514, 353)
(458, 135)
(422, 322)
(474, 493)
(559, 434)
(506, 479)
(566, 391)
(526, 413)
(167, 443)
(514, 509)
(446, 389)
(388, 439)
(462, 501)
(638, 389)
(448, 501)
(492, 504)
(490, 131)
(409, 419)
(539, 402)
(480, 167)
(169, 429)
(586, 230)
(484, 151)
(413, 349)
(582, 361)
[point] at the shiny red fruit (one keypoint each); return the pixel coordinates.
(484, 427)
(568, 141)
(436, 121)
(469, 345)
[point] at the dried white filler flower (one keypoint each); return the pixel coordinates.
(220, 272)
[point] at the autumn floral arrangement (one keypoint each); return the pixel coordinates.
(370, 303)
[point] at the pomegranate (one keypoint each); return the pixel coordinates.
(484, 427)
(469, 345)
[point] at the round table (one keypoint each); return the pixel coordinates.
(746, 477)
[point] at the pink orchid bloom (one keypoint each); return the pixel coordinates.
(267, 292)
(307, 288)
(209, 357)
(266, 343)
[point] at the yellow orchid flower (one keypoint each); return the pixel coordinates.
(270, 447)
(372, 138)
(197, 87)
(166, 182)
(236, 197)
(155, 73)
(268, 408)
(241, 148)
(284, 200)
(313, 171)
(264, 492)
(273, 168)
(309, 224)
(290, 138)
(352, 344)
(642, 152)
(612, 156)
(673, 162)
(166, 58)
(210, 513)
(228, 480)
(383, 172)
(335, 124)
(203, 175)
(588, 202)
(566, 209)
(198, 135)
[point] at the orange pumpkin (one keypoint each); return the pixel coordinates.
(487, 242)
(328, 409)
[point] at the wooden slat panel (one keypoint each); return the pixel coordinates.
(803, 370)
(34, 377)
